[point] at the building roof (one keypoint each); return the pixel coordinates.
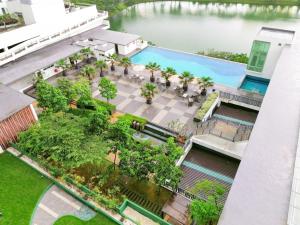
(12, 101)
(114, 37)
(46, 56)
(34, 61)
(261, 190)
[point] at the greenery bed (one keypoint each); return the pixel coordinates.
(71, 220)
(20, 190)
(235, 57)
(206, 106)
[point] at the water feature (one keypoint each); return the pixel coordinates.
(193, 27)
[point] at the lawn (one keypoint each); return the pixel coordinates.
(71, 220)
(20, 190)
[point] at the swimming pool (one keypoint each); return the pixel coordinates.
(255, 84)
(221, 71)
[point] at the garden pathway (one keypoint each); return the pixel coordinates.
(56, 203)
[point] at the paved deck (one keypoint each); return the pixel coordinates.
(56, 203)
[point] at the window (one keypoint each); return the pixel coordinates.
(258, 55)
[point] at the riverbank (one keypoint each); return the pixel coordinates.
(114, 7)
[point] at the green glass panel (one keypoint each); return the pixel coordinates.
(258, 55)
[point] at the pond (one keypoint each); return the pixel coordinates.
(194, 27)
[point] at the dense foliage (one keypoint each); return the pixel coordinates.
(235, 57)
(107, 88)
(207, 211)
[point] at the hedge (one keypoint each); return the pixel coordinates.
(110, 107)
(132, 118)
(205, 106)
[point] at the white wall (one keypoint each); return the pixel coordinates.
(125, 50)
(272, 58)
(38, 11)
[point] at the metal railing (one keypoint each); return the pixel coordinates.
(243, 99)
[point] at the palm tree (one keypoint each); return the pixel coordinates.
(101, 65)
(74, 59)
(126, 62)
(167, 73)
(88, 72)
(185, 78)
(87, 52)
(152, 67)
(148, 91)
(62, 64)
(112, 59)
(205, 83)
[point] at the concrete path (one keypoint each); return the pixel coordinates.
(57, 203)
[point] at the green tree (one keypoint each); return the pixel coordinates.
(167, 74)
(152, 67)
(101, 65)
(205, 83)
(88, 72)
(112, 59)
(83, 93)
(98, 122)
(208, 211)
(125, 62)
(107, 89)
(120, 136)
(62, 65)
(148, 92)
(185, 78)
(50, 98)
(66, 87)
(61, 138)
(138, 160)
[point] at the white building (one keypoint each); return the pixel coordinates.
(266, 50)
(46, 22)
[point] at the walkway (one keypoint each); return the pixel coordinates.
(56, 203)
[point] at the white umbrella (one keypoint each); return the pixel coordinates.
(138, 68)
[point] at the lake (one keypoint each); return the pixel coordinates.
(193, 27)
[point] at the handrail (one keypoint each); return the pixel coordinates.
(244, 99)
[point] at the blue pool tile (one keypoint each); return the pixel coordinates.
(222, 72)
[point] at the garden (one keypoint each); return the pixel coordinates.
(80, 144)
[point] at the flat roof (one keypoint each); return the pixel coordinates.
(12, 101)
(114, 37)
(39, 59)
(48, 55)
(287, 35)
(261, 190)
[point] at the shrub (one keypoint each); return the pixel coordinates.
(110, 107)
(142, 121)
(206, 106)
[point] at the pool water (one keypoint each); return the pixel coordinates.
(255, 84)
(222, 72)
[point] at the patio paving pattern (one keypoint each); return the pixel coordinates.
(166, 105)
(56, 203)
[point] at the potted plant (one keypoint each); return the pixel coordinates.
(62, 65)
(185, 78)
(152, 67)
(74, 60)
(112, 59)
(37, 78)
(167, 74)
(125, 62)
(148, 91)
(88, 53)
(88, 72)
(205, 83)
(101, 65)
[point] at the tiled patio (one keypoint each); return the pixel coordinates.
(166, 105)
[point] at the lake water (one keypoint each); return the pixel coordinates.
(193, 27)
